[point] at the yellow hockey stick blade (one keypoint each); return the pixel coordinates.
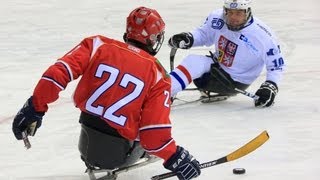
(249, 147)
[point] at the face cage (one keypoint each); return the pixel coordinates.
(153, 49)
(238, 28)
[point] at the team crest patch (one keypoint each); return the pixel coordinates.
(227, 51)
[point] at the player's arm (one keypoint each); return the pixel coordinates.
(155, 134)
(198, 37)
(58, 75)
(54, 80)
(275, 63)
(204, 34)
(275, 66)
(155, 128)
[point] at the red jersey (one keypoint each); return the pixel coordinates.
(124, 85)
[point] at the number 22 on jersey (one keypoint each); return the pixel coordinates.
(109, 112)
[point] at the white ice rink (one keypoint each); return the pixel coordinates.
(34, 33)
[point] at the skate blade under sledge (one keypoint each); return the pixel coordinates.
(113, 173)
(214, 98)
(202, 99)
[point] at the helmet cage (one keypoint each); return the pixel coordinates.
(153, 49)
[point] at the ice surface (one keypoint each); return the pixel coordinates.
(33, 34)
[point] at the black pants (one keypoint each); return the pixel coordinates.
(101, 146)
(96, 123)
(218, 81)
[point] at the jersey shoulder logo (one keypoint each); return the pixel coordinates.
(274, 51)
(217, 23)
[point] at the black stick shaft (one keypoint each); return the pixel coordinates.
(172, 55)
(25, 139)
(203, 165)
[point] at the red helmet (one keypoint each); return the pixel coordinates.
(145, 26)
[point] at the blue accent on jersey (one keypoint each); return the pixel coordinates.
(270, 52)
(217, 23)
(54, 81)
(246, 40)
(178, 78)
(70, 78)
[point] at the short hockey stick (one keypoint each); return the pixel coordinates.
(242, 151)
(29, 131)
(172, 55)
(246, 93)
(25, 139)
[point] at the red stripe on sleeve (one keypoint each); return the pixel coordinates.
(185, 72)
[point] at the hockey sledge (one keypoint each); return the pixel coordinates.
(189, 97)
(107, 174)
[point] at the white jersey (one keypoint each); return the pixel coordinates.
(242, 54)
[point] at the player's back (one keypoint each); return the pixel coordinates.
(116, 83)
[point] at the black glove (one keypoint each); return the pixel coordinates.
(183, 164)
(27, 119)
(267, 92)
(183, 40)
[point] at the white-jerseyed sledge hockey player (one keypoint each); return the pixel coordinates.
(243, 44)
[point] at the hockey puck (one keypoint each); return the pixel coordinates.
(239, 171)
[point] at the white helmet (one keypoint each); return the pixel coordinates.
(238, 4)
